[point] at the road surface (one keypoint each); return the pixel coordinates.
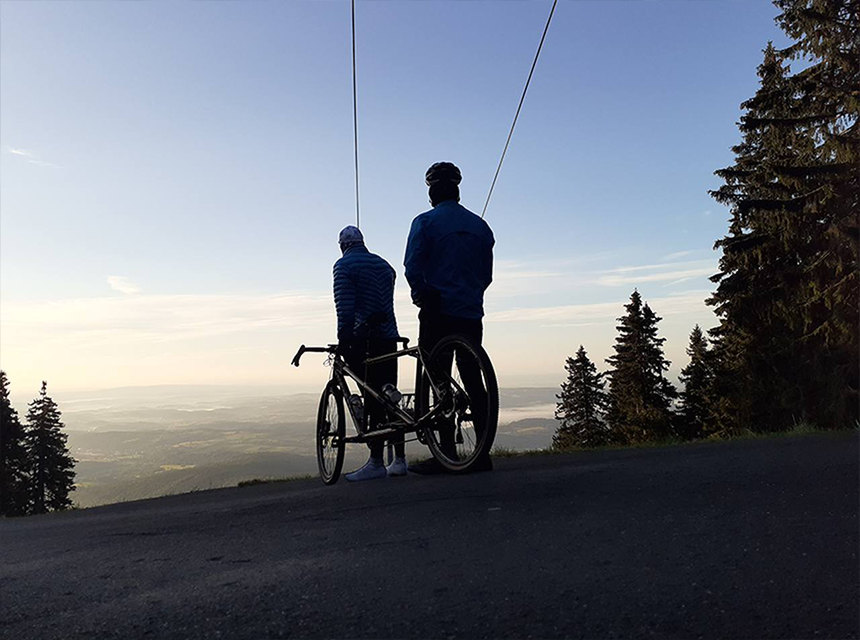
(748, 539)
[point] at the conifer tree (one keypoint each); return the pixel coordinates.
(827, 231)
(697, 378)
(787, 292)
(640, 396)
(756, 275)
(13, 460)
(51, 472)
(581, 406)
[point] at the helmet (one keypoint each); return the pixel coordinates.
(442, 172)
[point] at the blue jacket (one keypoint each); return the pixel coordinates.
(449, 260)
(364, 296)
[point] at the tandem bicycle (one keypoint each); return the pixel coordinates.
(454, 408)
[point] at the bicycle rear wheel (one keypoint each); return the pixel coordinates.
(331, 430)
(460, 385)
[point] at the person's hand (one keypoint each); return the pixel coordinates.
(344, 349)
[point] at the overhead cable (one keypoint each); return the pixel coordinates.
(519, 106)
(355, 117)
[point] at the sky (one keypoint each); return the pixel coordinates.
(173, 176)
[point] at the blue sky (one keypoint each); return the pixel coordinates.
(174, 175)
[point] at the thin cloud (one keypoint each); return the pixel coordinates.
(42, 163)
(557, 314)
(516, 278)
(167, 318)
(31, 157)
(673, 272)
(123, 285)
(679, 281)
(676, 276)
(166, 339)
(690, 302)
(676, 255)
(658, 265)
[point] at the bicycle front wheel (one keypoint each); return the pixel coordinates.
(331, 430)
(459, 386)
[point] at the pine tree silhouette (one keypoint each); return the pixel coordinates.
(51, 468)
(695, 399)
(13, 457)
(581, 406)
(640, 396)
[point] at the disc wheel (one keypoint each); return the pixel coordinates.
(331, 427)
(460, 386)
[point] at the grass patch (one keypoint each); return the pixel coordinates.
(256, 481)
(507, 452)
(797, 430)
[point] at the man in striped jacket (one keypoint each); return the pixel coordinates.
(366, 327)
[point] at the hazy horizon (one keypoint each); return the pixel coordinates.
(150, 441)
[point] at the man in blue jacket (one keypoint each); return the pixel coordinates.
(366, 327)
(449, 265)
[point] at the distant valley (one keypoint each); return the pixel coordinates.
(139, 443)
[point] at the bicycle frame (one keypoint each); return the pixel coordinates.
(407, 423)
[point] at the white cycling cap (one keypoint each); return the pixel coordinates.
(350, 236)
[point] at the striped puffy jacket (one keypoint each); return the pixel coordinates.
(364, 296)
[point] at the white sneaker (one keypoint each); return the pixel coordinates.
(397, 468)
(372, 470)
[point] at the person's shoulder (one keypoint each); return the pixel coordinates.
(423, 217)
(463, 209)
(472, 215)
(346, 260)
(339, 263)
(475, 218)
(420, 223)
(375, 257)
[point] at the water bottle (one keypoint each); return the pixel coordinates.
(357, 410)
(391, 393)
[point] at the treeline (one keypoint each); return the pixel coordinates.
(785, 350)
(633, 401)
(37, 474)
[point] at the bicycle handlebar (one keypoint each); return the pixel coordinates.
(329, 349)
(302, 349)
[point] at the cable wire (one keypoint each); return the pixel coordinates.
(355, 118)
(519, 106)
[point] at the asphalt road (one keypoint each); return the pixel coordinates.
(752, 539)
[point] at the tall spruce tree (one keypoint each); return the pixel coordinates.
(640, 396)
(13, 458)
(787, 294)
(52, 469)
(827, 35)
(694, 406)
(581, 406)
(754, 344)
